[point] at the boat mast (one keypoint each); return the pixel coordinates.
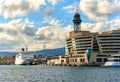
(44, 46)
(26, 48)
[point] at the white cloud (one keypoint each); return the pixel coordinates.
(71, 8)
(54, 2)
(54, 34)
(99, 10)
(17, 33)
(13, 8)
(101, 26)
(68, 7)
(48, 12)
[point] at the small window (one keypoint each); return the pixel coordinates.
(105, 59)
(83, 60)
(99, 59)
(75, 60)
(80, 60)
(62, 61)
(116, 60)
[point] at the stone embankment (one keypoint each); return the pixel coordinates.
(7, 60)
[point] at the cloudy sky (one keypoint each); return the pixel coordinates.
(39, 22)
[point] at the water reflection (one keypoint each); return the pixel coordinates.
(15, 73)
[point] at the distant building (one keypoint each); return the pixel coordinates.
(58, 60)
(85, 47)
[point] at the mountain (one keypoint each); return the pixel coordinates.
(51, 52)
(48, 52)
(8, 53)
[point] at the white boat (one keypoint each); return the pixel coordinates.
(24, 58)
(113, 61)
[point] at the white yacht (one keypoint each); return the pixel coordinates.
(113, 61)
(24, 57)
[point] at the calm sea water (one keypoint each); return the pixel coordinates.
(35, 73)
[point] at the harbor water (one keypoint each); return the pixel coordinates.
(36, 73)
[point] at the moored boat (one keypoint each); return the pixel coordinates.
(113, 61)
(24, 58)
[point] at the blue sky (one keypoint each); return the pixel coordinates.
(39, 22)
(57, 12)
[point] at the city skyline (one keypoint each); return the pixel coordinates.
(48, 22)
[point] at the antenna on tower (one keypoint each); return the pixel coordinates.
(44, 46)
(76, 9)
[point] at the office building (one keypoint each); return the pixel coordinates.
(85, 47)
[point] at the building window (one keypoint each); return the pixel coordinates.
(116, 60)
(75, 60)
(80, 60)
(105, 59)
(102, 55)
(83, 60)
(99, 59)
(62, 61)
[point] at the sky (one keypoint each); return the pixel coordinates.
(48, 22)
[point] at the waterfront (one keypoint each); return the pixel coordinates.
(35, 73)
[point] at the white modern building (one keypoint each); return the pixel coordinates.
(85, 47)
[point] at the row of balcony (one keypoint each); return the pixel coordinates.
(104, 36)
(103, 41)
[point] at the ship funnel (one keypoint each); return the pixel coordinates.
(23, 49)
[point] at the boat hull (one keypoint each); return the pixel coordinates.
(20, 62)
(112, 64)
(24, 62)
